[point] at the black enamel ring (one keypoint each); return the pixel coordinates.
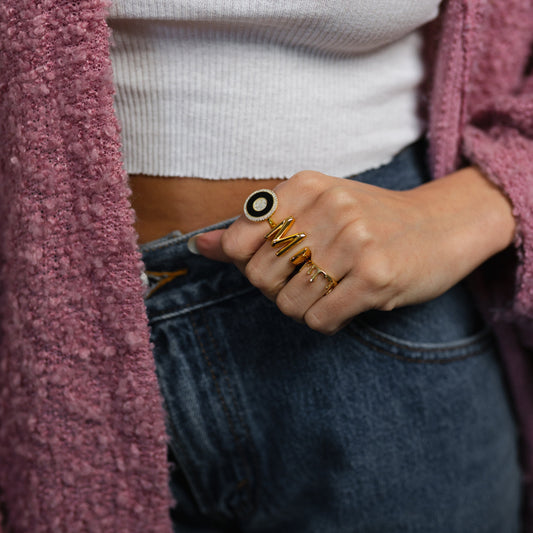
(260, 205)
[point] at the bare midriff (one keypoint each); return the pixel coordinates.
(165, 204)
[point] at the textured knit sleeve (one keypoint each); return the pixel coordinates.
(82, 435)
(500, 142)
(498, 133)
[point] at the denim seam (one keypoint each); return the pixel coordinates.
(419, 360)
(161, 246)
(229, 418)
(237, 407)
(183, 461)
(198, 306)
(480, 337)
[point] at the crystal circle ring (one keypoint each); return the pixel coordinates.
(260, 205)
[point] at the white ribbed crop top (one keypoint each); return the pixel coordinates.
(264, 88)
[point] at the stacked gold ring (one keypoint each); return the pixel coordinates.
(261, 205)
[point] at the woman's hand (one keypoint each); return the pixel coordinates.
(385, 248)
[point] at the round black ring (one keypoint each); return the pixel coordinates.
(261, 214)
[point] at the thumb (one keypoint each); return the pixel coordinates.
(209, 245)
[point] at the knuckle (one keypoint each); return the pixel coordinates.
(231, 246)
(358, 234)
(229, 243)
(307, 181)
(287, 305)
(378, 273)
(388, 305)
(255, 275)
(336, 199)
(318, 323)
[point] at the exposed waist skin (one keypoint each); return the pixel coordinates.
(165, 204)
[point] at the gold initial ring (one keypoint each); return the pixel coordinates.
(261, 205)
(302, 259)
(314, 271)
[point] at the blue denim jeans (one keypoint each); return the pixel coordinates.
(398, 423)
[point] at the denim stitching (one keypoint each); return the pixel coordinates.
(415, 359)
(163, 245)
(183, 461)
(198, 306)
(236, 406)
(226, 410)
(429, 349)
(175, 443)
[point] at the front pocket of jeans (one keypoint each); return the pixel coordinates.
(381, 343)
(442, 330)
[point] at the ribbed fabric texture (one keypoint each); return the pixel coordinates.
(264, 89)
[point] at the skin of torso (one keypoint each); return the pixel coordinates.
(165, 204)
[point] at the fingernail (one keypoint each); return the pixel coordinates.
(191, 245)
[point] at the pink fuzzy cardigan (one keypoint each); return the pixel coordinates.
(82, 438)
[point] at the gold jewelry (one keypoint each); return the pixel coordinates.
(261, 205)
(314, 271)
(278, 235)
(301, 257)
